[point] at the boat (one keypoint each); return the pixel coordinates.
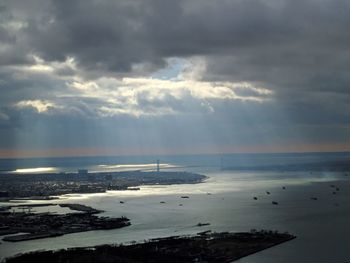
(203, 224)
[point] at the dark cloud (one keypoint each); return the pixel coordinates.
(297, 49)
(259, 37)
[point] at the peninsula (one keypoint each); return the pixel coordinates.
(205, 247)
(28, 226)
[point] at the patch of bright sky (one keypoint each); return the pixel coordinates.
(173, 70)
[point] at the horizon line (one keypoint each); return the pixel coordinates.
(173, 154)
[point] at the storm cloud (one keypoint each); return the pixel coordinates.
(147, 76)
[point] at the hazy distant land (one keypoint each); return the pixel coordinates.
(44, 186)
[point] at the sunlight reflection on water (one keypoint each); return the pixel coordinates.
(36, 170)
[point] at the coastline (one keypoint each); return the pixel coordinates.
(24, 226)
(49, 186)
(207, 247)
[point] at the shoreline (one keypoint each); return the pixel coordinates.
(209, 247)
(51, 185)
(23, 226)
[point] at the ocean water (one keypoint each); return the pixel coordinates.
(225, 200)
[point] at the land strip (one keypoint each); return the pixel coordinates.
(45, 186)
(205, 247)
(29, 226)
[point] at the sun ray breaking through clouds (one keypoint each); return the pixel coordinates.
(146, 75)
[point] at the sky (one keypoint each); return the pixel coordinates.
(139, 77)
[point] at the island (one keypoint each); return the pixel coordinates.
(203, 247)
(22, 226)
(47, 186)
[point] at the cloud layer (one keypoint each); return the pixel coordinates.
(161, 75)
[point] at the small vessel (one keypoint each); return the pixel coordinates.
(133, 188)
(255, 198)
(274, 203)
(203, 224)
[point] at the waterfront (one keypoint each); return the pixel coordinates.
(27, 225)
(47, 186)
(319, 224)
(204, 247)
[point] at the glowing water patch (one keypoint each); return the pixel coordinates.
(35, 170)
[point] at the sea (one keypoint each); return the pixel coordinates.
(307, 206)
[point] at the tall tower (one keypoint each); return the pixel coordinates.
(158, 166)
